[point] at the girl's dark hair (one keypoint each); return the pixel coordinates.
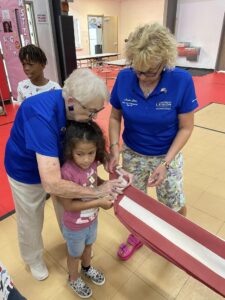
(32, 53)
(88, 132)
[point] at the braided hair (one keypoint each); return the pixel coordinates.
(32, 53)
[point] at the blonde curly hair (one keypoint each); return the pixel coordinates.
(149, 45)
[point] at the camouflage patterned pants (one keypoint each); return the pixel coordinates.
(170, 192)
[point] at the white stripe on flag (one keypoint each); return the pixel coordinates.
(175, 236)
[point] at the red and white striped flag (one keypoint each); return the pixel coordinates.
(185, 244)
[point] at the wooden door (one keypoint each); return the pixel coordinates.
(110, 34)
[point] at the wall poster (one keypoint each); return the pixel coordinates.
(14, 34)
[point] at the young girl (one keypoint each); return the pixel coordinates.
(84, 150)
(33, 60)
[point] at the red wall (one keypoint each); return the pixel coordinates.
(3, 82)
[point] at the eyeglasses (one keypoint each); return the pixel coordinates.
(92, 112)
(148, 73)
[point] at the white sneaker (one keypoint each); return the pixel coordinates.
(39, 270)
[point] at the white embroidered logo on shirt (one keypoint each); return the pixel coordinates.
(163, 105)
(130, 102)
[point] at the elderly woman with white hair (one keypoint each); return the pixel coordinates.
(34, 154)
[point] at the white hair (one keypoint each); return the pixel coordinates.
(85, 87)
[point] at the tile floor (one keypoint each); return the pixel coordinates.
(146, 275)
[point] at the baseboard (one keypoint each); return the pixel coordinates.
(8, 214)
(8, 101)
(198, 71)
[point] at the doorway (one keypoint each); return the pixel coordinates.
(103, 34)
(95, 25)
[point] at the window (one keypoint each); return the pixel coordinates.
(76, 25)
(31, 22)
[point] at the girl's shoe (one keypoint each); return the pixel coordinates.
(95, 275)
(80, 288)
(125, 252)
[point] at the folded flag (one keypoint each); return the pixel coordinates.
(182, 242)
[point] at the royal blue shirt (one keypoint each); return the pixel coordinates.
(151, 124)
(39, 127)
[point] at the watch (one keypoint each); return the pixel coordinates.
(165, 164)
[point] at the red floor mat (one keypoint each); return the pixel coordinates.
(10, 114)
(210, 88)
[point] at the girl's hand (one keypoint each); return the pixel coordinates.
(106, 202)
(157, 176)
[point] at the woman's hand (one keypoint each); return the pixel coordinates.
(114, 137)
(106, 202)
(113, 160)
(125, 175)
(157, 176)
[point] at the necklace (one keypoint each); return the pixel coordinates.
(147, 90)
(148, 87)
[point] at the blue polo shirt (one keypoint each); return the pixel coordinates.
(39, 127)
(151, 124)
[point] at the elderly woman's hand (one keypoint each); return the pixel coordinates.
(110, 187)
(157, 176)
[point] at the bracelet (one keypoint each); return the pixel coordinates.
(165, 164)
(113, 144)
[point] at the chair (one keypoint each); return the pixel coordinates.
(107, 72)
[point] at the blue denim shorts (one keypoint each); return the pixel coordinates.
(77, 239)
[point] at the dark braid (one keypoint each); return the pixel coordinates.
(32, 53)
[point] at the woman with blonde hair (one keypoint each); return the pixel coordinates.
(157, 102)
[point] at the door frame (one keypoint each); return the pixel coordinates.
(220, 60)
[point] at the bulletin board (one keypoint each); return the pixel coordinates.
(14, 33)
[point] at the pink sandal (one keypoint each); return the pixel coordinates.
(124, 252)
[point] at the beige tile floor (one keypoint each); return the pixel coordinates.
(205, 117)
(146, 275)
